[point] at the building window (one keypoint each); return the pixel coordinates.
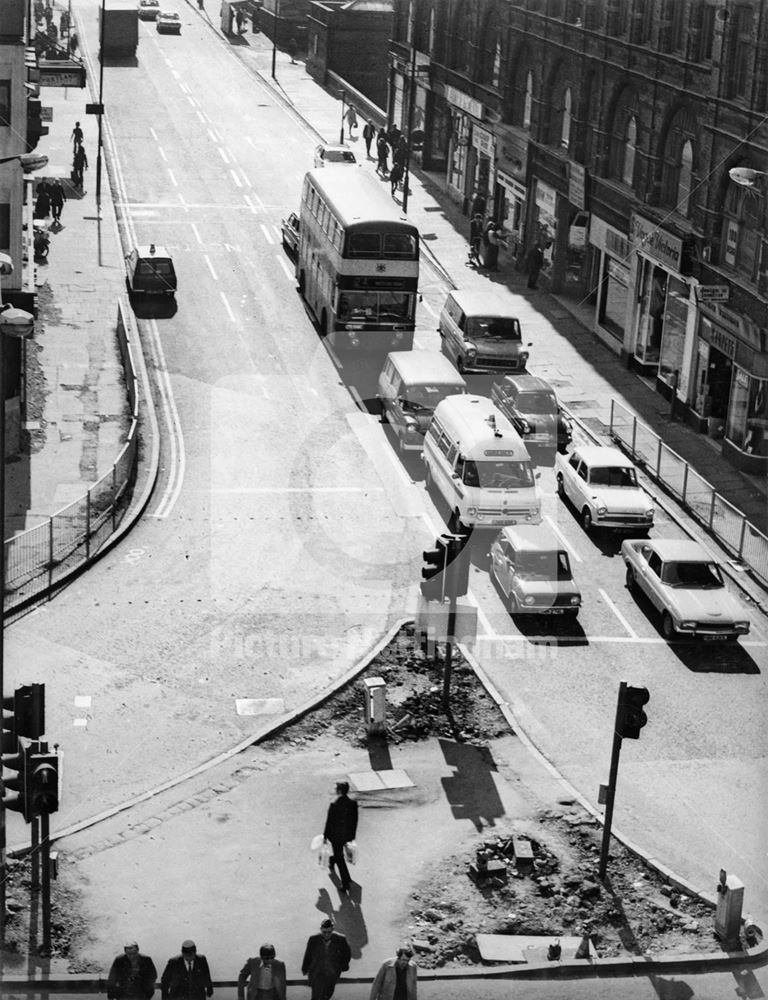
(748, 414)
(463, 39)
(411, 21)
(741, 61)
(5, 103)
(741, 230)
(565, 130)
(5, 227)
(616, 18)
(431, 41)
(572, 13)
(496, 74)
(630, 148)
(670, 26)
(702, 31)
(528, 105)
(684, 179)
(642, 20)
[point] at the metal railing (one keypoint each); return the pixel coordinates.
(38, 559)
(726, 522)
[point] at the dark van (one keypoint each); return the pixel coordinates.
(150, 271)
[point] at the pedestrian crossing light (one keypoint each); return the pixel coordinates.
(433, 573)
(632, 718)
(42, 783)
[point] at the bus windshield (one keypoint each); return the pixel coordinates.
(503, 327)
(500, 475)
(386, 246)
(394, 307)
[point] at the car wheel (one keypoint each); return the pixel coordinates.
(302, 282)
(561, 488)
(128, 285)
(630, 580)
(383, 412)
(586, 519)
(455, 525)
(572, 613)
(667, 626)
(460, 365)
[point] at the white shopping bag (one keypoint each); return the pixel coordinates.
(350, 850)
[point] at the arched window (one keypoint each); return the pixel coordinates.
(528, 105)
(630, 148)
(565, 129)
(684, 178)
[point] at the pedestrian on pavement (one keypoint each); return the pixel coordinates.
(490, 251)
(293, 48)
(132, 976)
(533, 264)
(351, 117)
(395, 176)
(186, 977)
(369, 131)
(476, 236)
(42, 201)
(79, 164)
(327, 955)
(479, 203)
(382, 152)
(393, 136)
(77, 136)
(341, 821)
(396, 979)
(400, 152)
(264, 975)
(58, 197)
(495, 242)
(72, 42)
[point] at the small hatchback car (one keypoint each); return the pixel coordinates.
(533, 571)
(326, 155)
(289, 233)
(150, 271)
(532, 408)
(149, 9)
(168, 22)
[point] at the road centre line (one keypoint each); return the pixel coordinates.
(246, 178)
(161, 151)
(290, 275)
(184, 87)
(566, 544)
(618, 614)
(214, 138)
(203, 118)
(197, 234)
(153, 134)
(236, 179)
(193, 101)
(207, 260)
(173, 179)
(223, 155)
(261, 204)
(267, 234)
(250, 204)
(228, 307)
(429, 308)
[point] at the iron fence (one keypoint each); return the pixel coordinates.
(38, 559)
(738, 535)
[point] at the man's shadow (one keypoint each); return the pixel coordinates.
(348, 915)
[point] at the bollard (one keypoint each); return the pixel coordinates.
(375, 708)
(730, 900)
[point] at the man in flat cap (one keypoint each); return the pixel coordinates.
(186, 977)
(132, 976)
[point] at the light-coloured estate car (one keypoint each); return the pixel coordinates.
(601, 483)
(684, 583)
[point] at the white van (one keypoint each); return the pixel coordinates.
(476, 459)
(480, 332)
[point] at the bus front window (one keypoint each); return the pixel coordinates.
(385, 307)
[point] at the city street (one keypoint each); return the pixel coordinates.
(285, 534)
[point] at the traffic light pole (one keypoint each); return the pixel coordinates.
(611, 794)
(45, 861)
(448, 663)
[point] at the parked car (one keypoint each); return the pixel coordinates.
(601, 483)
(168, 22)
(531, 406)
(149, 9)
(684, 583)
(335, 154)
(533, 571)
(150, 271)
(289, 228)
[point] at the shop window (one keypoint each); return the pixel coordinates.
(747, 426)
(5, 103)
(630, 148)
(565, 127)
(528, 104)
(671, 25)
(673, 331)
(653, 299)
(5, 227)
(684, 176)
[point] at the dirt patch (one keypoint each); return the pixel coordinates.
(634, 912)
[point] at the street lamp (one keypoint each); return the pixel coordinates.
(29, 162)
(13, 323)
(746, 176)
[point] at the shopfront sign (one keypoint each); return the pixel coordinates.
(713, 293)
(545, 198)
(656, 242)
(605, 237)
(464, 102)
(483, 141)
(722, 341)
(514, 187)
(61, 73)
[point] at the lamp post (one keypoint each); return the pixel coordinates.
(275, 27)
(341, 130)
(13, 323)
(101, 109)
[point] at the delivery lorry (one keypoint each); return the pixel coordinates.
(119, 28)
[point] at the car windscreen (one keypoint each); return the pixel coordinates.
(618, 475)
(500, 327)
(339, 156)
(536, 402)
(499, 475)
(697, 575)
(552, 565)
(157, 266)
(426, 397)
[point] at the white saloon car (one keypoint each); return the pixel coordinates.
(684, 583)
(601, 483)
(532, 569)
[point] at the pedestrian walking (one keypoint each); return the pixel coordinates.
(79, 164)
(58, 197)
(187, 976)
(369, 132)
(396, 978)
(132, 976)
(476, 236)
(264, 975)
(73, 43)
(533, 264)
(400, 152)
(341, 825)
(351, 116)
(293, 48)
(495, 242)
(395, 176)
(42, 201)
(64, 22)
(393, 136)
(382, 152)
(326, 956)
(77, 136)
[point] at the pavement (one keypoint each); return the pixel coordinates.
(80, 416)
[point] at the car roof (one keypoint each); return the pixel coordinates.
(484, 303)
(528, 383)
(152, 250)
(335, 147)
(426, 366)
(533, 538)
(602, 455)
(681, 550)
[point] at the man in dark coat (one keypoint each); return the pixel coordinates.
(327, 955)
(340, 828)
(132, 976)
(187, 977)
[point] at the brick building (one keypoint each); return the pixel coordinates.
(608, 132)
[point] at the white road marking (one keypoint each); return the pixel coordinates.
(228, 307)
(428, 307)
(197, 234)
(250, 141)
(153, 133)
(236, 179)
(214, 137)
(250, 490)
(246, 178)
(173, 179)
(618, 614)
(184, 87)
(203, 118)
(192, 101)
(250, 204)
(184, 205)
(566, 544)
(290, 275)
(223, 154)
(267, 235)
(161, 151)
(207, 260)
(261, 204)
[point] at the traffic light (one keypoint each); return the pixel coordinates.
(15, 785)
(457, 568)
(433, 573)
(631, 717)
(29, 710)
(42, 783)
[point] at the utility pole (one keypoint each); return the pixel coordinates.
(341, 130)
(275, 27)
(411, 98)
(101, 107)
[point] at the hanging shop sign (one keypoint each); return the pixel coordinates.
(483, 141)
(61, 73)
(713, 293)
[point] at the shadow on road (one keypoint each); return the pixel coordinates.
(471, 790)
(348, 915)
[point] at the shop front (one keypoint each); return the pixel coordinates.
(509, 193)
(611, 249)
(466, 114)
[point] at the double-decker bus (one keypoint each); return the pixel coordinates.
(358, 260)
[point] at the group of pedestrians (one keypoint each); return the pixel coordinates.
(389, 140)
(49, 200)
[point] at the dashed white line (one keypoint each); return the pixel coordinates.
(566, 544)
(236, 179)
(184, 87)
(214, 137)
(203, 118)
(619, 615)
(173, 179)
(197, 234)
(261, 204)
(428, 307)
(153, 133)
(246, 178)
(161, 151)
(223, 155)
(267, 235)
(228, 307)
(207, 260)
(250, 204)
